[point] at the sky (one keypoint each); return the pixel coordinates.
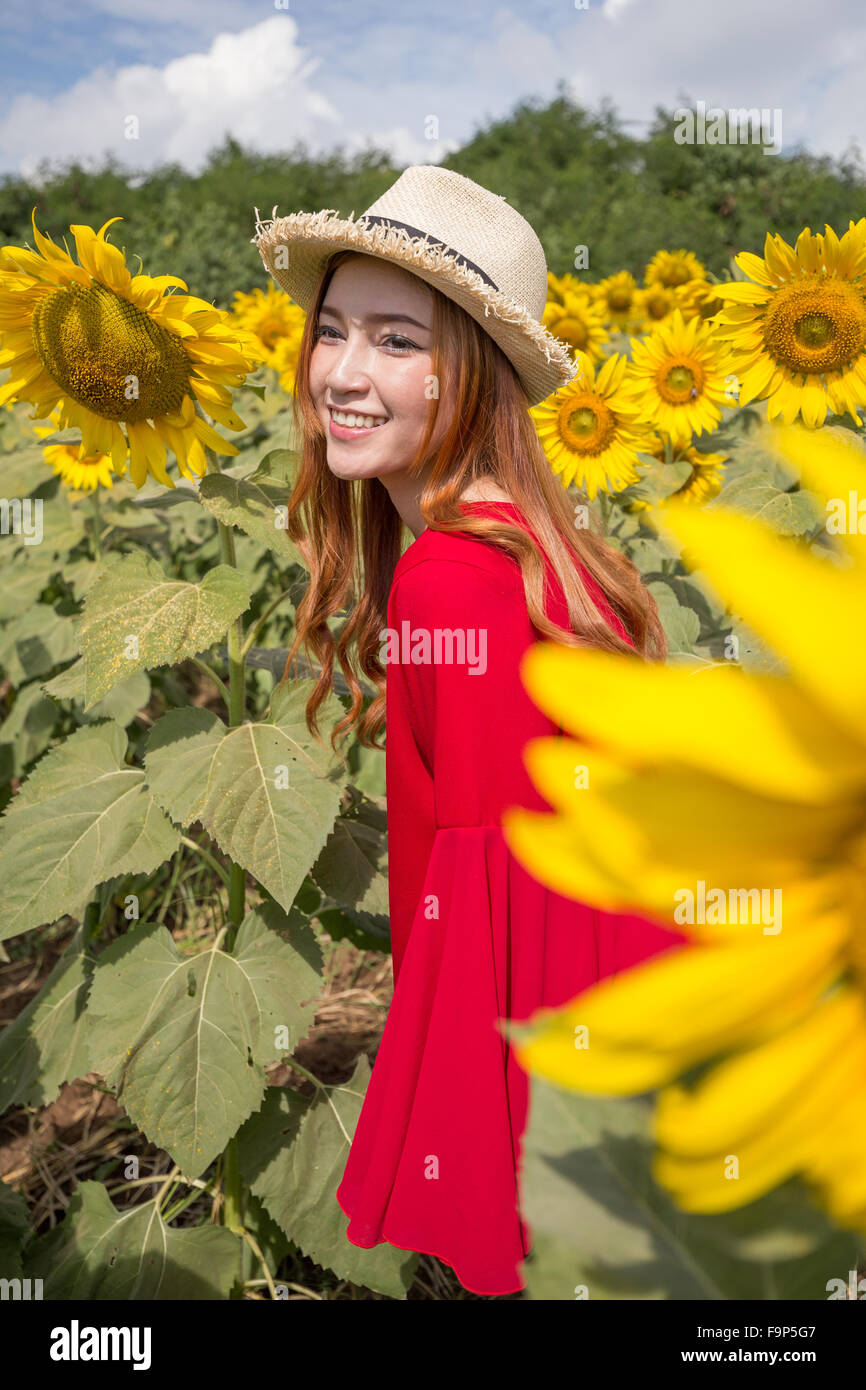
(157, 80)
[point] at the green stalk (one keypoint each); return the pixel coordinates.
(97, 525)
(232, 1185)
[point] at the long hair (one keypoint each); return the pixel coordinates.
(351, 532)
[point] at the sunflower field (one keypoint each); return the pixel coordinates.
(195, 862)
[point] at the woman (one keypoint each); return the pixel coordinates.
(422, 350)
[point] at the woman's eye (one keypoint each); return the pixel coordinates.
(325, 328)
(402, 344)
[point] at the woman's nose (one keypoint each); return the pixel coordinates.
(348, 361)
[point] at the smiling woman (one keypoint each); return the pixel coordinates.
(421, 354)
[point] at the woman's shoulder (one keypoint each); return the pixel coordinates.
(455, 552)
(455, 565)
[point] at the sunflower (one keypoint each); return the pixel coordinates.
(771, 1019)
(617, 298)
(589, 432)
(113, 350)
(578, 321)
(271, 316)
(797, 329)
(558, 285)
(698, 299)
(672, 268)
(84, 474)
(285, 355)
(657, 302)
(678, 375)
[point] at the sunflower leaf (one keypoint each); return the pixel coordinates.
(103, 1252)
(257, 507)
(292, 1154)
(604, 1229)
(267, 792)
(82, 816)
(135, 618)
(185, 1040)
(44, 1046)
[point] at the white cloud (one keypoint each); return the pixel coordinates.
(255, 84)
(285, 79)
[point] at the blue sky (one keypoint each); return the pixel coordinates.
(77, 80)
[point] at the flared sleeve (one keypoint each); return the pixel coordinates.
(434, 1165)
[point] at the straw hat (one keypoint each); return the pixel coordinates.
(446, 229)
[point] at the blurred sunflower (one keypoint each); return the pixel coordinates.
(657, 302)
(797, 329)
(85, 474)
(698, 299)
(271, 317)
(672, 268)
(590, 433)
(558, 285)
(578, 321)
(678, 376)
(285, 355)
(616, 296)
(115, 350)
(774, 1020)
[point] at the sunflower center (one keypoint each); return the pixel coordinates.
(677, 274)
(586, 424)
(572, 331)
(680, 380)
(271, 331)
(619, 299)
(816, 327)
(657, 305)
(108, 355)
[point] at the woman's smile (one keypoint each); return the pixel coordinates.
(353, 424)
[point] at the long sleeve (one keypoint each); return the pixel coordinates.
(435, 1161)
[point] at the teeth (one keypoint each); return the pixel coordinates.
(357, 422)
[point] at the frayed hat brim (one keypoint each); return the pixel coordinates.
(296, 248)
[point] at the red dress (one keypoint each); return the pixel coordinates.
(434, 1163)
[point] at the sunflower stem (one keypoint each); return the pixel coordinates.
(232, 1184)
(96, 529)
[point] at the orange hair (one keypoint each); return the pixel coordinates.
(352, 533)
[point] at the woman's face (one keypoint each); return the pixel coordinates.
(371, 372)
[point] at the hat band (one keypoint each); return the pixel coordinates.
(417, 232)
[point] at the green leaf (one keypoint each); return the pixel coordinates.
(44, 1045)
(279, 466)
(789, 513)
(28, 727)
(23, 576)
(254, 508)
(23, 471)
(14, 1231)
(35, 643)
(603, 1228)
(353, 866)
(267, 792)
(122, 703)
(657, 480)
(81, 817)
(184, 1040)
(292, 1154)
(136, 618)
(682, 625)
(100, 1252)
